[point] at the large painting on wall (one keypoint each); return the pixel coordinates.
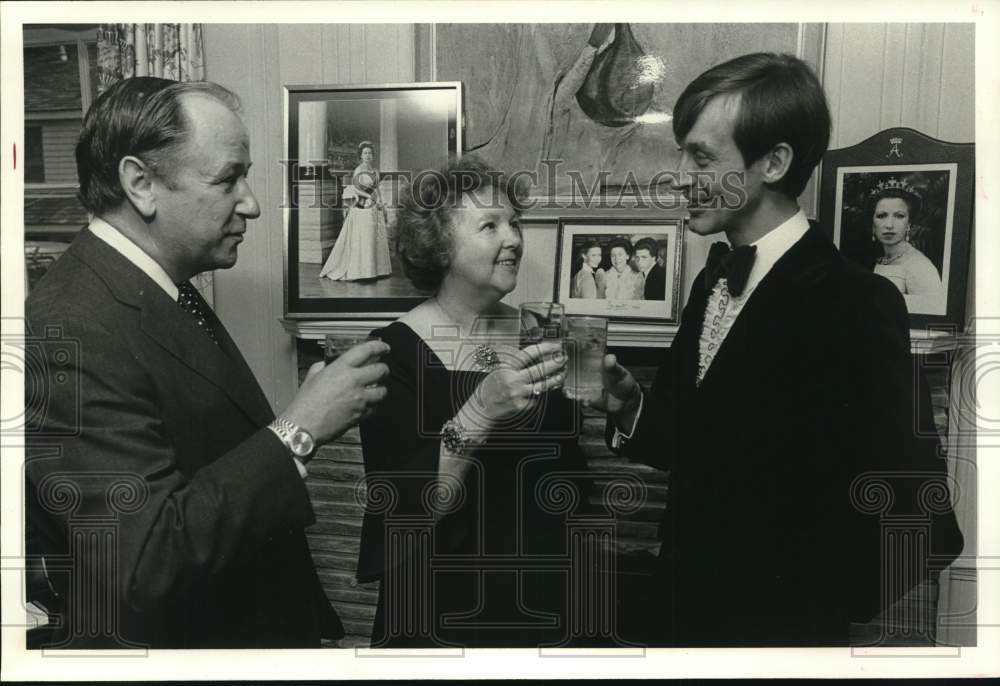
(595, 100)
(351, 152)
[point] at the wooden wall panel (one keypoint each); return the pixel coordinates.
(958, 84)
(918, 75)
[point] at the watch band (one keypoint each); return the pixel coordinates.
(283, 428)
(286, 431)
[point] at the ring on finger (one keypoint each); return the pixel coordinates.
(536, 390)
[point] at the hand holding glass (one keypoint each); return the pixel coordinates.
(584, 340)
(337, 344)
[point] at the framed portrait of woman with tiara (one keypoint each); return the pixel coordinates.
(901, 205)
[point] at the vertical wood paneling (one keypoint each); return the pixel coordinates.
(918, 75)
(406, 49)
(256, 250)
(299, 53)
(535, 277)
(958, 88)
(893, 75)
(271, 98)
(356, 57)
(328, 54)
(343, 49)
(913, 46)
(811, 45)
(833, 77)
(929, 105)
(861, 83)
(381, 53)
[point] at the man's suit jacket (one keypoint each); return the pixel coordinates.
(161, 435)
(655, 287)
(778, 460)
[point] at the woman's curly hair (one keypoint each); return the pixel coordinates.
(424, 219)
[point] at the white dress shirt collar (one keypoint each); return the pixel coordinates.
(134, 254)
(775, 243)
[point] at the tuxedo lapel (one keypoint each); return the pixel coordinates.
(168, 326)
(769, 308)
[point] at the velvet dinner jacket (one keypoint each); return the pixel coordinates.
(160, 435)
(773, 532)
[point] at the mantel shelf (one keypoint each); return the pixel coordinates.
(620, 334)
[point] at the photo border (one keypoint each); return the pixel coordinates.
(628, 310)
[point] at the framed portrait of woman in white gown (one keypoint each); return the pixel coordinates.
(350, 152)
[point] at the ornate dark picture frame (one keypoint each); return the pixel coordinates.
(938, 178)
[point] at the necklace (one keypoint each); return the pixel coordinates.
(484, 356)
(885, 259)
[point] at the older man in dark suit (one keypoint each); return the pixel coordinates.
(785, 410)
(169, 448)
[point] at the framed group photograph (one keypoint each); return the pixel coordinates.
(621, 268)
(901, 205)
(351, 152)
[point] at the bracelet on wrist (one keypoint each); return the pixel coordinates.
(455, 437)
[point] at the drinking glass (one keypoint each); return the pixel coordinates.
(541, 321)
(337, 344)
(584, 340)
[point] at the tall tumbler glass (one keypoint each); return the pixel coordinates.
(584, 339)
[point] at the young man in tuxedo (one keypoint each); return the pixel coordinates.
(788, 392)
(168, 442)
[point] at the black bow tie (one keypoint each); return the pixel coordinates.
(734, 265)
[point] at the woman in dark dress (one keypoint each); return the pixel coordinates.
(472, 463)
